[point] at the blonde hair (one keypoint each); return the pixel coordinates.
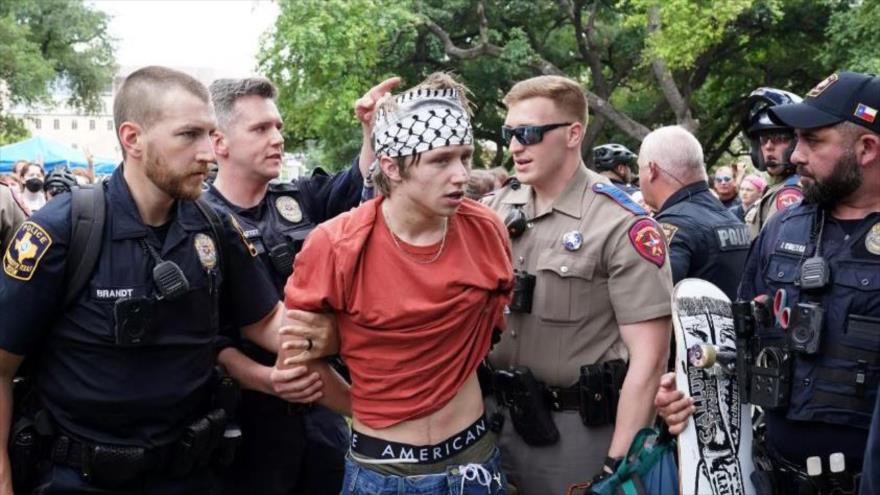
(566, 93)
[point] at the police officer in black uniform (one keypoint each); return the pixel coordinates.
(814, 274)
(616, 162)
(705, 239)
(275, 219)
(123, 373)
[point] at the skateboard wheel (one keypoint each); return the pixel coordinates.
(702, 355)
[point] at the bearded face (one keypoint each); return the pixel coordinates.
(183, 182)
(846, 177)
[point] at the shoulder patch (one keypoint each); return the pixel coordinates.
(669, 231)
(619, 197)
(788, 196)
(24, 253)
(648, 241)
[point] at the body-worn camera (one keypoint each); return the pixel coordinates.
(771, 378)
(524, 397)
(805, 329)
(523, 289)
(516, 223)
(133, 317)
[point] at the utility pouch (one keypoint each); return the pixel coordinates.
(110, 466)
(771, 379)
(228, 446)
(198, 443)
(529, 412)
(226, 393)
(594, 410)
(23, 455)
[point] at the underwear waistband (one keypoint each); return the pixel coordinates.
(378, 451)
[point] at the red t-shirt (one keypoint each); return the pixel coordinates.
(411, 333)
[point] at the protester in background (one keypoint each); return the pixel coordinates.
(12, 213)
(480, 183)
(19, 166)
(33, 176)
(725, 187)
(501, 176)
(750, 190)
(82, 176)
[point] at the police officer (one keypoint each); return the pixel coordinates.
(593, 290)
(821, 261)
(616, 162)
(274, 219)
(124, 372)
(771, 144)
(12, 213)
(705, 239)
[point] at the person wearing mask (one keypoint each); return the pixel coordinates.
(32, 177)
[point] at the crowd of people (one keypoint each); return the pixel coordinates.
(412, 325)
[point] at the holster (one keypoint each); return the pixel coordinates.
(599, 386)
(529, 412)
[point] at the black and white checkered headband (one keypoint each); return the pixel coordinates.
(425, 119)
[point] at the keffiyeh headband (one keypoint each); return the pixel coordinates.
(424, 119)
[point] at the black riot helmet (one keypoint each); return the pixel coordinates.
(59, 180)
(608, 156)
(756, 122)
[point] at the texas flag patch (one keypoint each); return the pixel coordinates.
(866, 113)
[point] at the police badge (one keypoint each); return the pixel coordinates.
(289, 209)
(206, 250)
(872, 240)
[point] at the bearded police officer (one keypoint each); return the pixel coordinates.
(616, 162)
(275, 219)
(771, 144)
(592, 292)
(124, 369)
(705, 239)
(814, 277)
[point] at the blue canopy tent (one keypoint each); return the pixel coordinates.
(51, 153)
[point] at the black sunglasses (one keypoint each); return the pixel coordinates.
(528, 134)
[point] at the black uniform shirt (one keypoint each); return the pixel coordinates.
(706, 241)
(93, 386)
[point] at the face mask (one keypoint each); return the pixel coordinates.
(34, 185)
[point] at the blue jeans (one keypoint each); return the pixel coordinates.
(470, 479)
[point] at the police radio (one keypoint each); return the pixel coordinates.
(170, 280)
(523, 289)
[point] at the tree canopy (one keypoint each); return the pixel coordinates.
(48, 42)
(642, 63)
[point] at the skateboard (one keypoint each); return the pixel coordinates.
(715, 449)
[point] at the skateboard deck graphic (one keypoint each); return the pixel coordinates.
(715, 449)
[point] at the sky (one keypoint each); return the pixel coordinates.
(222, 35)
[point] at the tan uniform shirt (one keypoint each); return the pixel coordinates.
(581, 295)
(11, 216)
(777, 197)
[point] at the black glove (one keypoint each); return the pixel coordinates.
(610, 466)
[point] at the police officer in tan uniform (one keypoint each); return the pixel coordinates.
(12, 214)
(593, 293)
(771, 145)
